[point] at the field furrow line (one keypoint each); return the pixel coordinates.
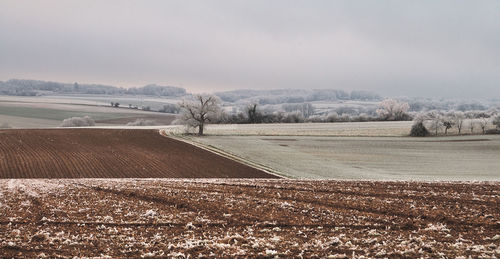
(376, 193)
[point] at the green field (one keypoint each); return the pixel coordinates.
(41, 112)
(155, 103)
(463, 158)
(56, 114)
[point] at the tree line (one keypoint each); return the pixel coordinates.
(204, 109)
(280, 96)
(18, 87)
(441, 122)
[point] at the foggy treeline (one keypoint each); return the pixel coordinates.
(280, 96)
(19, 87)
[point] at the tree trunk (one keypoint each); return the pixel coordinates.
(200, 129)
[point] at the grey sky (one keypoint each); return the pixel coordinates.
(414, 48)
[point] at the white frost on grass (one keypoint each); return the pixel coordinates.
(35, 187)
(334, 241)
(16, 232)
(437, 227)
(275, 239)
(150, 213)
(176, 255)
(373, 233)
(190, 226)
(155, 254)
(286, 205)
(271, 252)
(107, 218)
(495, 238)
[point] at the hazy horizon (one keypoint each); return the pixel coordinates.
(393, 48)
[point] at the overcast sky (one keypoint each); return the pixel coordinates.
(396, 48)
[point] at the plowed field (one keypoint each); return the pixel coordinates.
(226, 218)
(109, 153)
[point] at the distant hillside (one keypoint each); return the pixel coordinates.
(20, 87)
(280, 96)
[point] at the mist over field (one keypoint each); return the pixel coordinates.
(393, 48)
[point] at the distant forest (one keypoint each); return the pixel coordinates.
(281, 96)
(19, 87)
(268, 100)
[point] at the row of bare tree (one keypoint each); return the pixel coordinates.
(437, 122)
(203, 109)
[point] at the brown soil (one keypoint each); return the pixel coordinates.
(105, 153)
(256, 218)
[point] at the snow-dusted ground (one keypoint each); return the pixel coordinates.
(386, 128)
(226, 218)
(455, 158)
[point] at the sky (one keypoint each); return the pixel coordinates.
(426, 48)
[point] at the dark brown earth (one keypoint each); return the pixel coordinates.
(257, 218)
(110, 153)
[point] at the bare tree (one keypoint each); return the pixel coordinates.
(391, 109)
(253, 114)
(307, 109)
(472, 120)
(436, 121)
(458, 120)
(472, 123)
(448, 123)
(199, 111)
(483, 122)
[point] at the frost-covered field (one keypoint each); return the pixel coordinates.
(385, 128)
(148, 218)
(459, 158)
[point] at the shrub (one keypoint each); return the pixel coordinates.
(142, 122)
(293, 117)
(418, 130)
(170, 108)
(493, 131)
(496, 121)
(332, 117)
(78, 122)
(393, 110)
